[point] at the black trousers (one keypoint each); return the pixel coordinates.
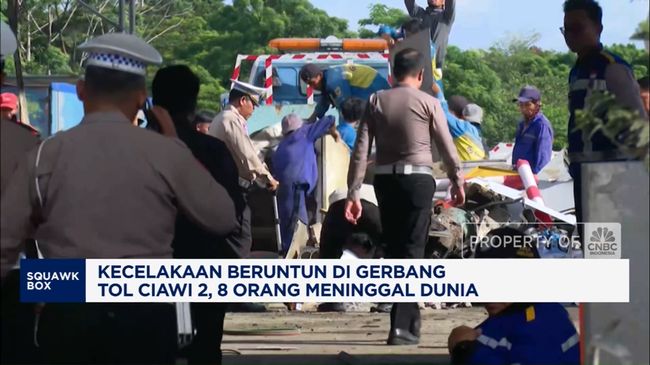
(242, 240)
(17, 323)
(208, 321)
(336, 229)
(405, 208)
(575, 170)
(89, 333)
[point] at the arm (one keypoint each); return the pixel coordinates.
(17, 223)
(319, 128)
(243, 149)
(199, 197)
(450, 11)
(621, 83)
(359, 158)
(445, 145)
(544, 149)
(321, 108)
(411, 7)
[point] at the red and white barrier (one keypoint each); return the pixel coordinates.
(532, 191)
(268, 66)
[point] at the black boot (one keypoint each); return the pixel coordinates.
(400, 337)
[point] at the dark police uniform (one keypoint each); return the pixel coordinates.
(106, 189)
(190, 241)
(598, 71)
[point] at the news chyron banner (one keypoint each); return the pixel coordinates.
(176, 280)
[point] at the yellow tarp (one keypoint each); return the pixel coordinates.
(486, 171)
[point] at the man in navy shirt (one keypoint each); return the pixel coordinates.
(596, 70)
(534, 136)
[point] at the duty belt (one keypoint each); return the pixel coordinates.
(400, 169)
(245, 184)
(599, 156)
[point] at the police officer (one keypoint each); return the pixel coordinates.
(176, 89)
(595, 70)
(229, 126)
(106, 189)
(338, 83)
(16, 140)
(405, 121)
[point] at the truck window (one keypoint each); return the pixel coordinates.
(285, 82)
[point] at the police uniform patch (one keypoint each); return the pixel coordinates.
(337, 91)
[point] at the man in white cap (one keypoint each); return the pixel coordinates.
(106, 189)
(230, 127)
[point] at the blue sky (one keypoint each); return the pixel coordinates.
(481, 23)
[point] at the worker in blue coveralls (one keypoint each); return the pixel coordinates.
(294, 166)
(516, 333)
(338, 83)
(534, 135)
(596, 70)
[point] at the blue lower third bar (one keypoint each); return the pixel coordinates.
(53, 281)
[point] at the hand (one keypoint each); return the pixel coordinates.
(460, 334)
(435, 88)
(458, 194)
(335, 134)
(272, 185)
(165, 121)
(353, 210)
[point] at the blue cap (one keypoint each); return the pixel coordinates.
(528, 93)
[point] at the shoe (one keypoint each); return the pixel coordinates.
(246, 308)
(331, 307)
(382, 308)
(400, 337)
(415, 327)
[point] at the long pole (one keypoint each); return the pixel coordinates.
(132, 16)
(120, 10)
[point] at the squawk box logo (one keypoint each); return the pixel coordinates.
(603, 240)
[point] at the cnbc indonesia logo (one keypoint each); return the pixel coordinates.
(603, 240)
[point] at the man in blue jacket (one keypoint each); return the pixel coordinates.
(534, 136)
(338, 83)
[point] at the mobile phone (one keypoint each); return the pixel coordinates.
(152, 122)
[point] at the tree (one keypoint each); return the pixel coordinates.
(381, 15)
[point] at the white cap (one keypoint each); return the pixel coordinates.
(473, 113)
(8, 43)
(121, 52)
(258, 94)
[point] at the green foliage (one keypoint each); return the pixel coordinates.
(208, 34)
(381, 15)
(625, 128)
(642, 31)
(492, 78)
